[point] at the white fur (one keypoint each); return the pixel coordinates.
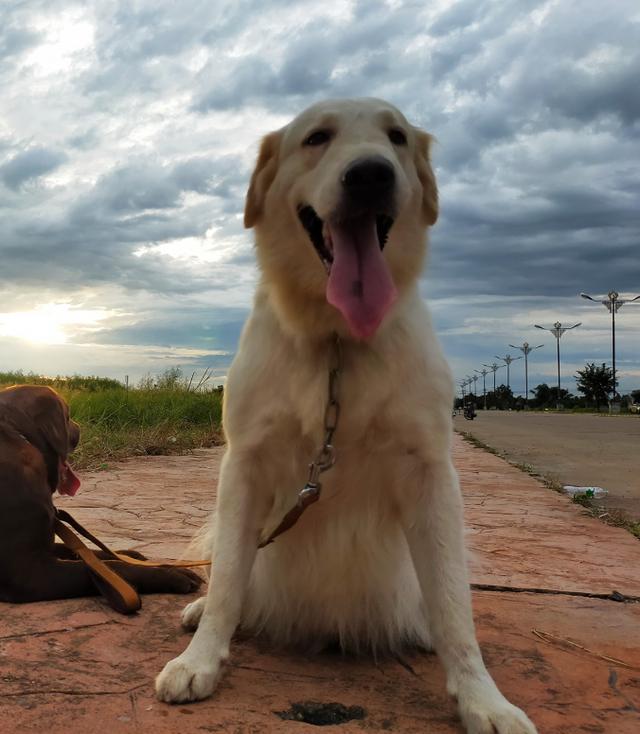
(379, 562)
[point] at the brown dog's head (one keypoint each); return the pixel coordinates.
(42, 417)
(341, 199)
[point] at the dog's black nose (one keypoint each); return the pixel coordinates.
(369, 181)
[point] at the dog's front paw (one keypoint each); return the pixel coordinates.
(484, 710)
(191, 614)
(183, 679)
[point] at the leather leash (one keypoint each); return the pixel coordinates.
(66, 517)
(118, 592)
(120, 595)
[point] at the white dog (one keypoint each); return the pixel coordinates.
(340, 201)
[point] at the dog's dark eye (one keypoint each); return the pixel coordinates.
(397, 137)
(318, 137)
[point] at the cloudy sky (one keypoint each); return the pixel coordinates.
(128, 131)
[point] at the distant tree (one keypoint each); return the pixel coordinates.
(595, 383)
(545, 396)
(503, 397)
(500, 399)
(635, 396)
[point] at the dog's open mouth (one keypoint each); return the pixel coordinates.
(360, 284)
(321, 239)
(68, 480)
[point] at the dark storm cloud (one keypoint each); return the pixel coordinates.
(30, 164)
(92, 240)
(332, 58)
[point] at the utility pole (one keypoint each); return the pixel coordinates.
(613, 303)
(558, 330)
(526, 350)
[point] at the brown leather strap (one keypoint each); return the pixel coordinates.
(122, 597)
(305, 499)
(66, 517)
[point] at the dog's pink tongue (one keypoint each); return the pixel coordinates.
(68, 480)
(360, 284)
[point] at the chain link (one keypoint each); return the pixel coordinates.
(326, 457)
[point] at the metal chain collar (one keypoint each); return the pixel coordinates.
(326, 457)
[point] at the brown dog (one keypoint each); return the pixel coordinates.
(36, 437)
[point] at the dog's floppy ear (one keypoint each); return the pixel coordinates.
(426, 176)
(262, 178)
(53, 424)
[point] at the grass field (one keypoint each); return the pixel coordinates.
(166, 415)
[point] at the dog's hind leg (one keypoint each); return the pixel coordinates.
(48, 578)
(194, 674)
(434, 531)
(51, 577)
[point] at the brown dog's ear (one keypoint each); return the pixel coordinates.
(426, 176)
(262, 178)
(53, 424)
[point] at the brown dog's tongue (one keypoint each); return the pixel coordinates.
(68, 480)
(360, 284)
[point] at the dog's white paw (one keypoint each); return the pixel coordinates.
(484, 710)
(184, 679)
(191, 614)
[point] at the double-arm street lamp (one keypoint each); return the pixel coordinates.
(508, 359)
(493, 368)
(474, 379)
(526, 350)
(558, 330)
(463, 385)
(484, 372)
(613, 303)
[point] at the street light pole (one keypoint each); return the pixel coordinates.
(558, 330)
(463, 384)
(526, 350)
(484, 372)
(508, 359)
(474, 379)
(494, 368)
(613, 303)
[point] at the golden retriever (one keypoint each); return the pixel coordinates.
(340, 200)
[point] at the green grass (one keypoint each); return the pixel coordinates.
(116, 423)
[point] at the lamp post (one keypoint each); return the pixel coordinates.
(473, 379)
(613, 303)
(494, 368)
(508, 359)
(463, 384)
(526, 350)
(484, 372)
(558, 330)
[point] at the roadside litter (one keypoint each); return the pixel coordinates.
(589, 491)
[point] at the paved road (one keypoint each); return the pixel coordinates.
(570, 448)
